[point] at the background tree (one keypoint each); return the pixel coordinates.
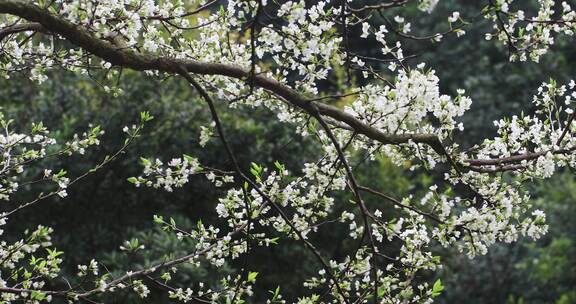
(256, 37)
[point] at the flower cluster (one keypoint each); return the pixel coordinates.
(175, 175)
(29, 263)
(530, 35)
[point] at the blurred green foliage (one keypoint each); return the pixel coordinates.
(103, 211)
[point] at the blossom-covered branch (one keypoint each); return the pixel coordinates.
(264, 54)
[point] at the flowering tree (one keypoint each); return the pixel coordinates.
(276, 55)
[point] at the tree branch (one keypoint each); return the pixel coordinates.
(516, 158)
(21, 27)
(245, 178)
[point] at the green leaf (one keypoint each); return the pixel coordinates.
(252, 277)
(145, 161)
(437, 288)
(166, 277)
(61, 173)
(256, 170)
(279, 166)
(145, 116)
(54, 253)
(189, 158)
(276, 293)
(37, 295)
(158, 219)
